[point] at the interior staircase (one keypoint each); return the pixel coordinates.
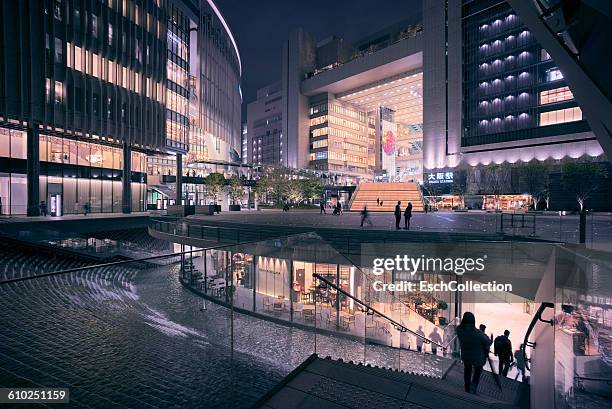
(389, 193)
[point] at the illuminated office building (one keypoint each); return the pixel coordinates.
(437, 97)
(91, 89)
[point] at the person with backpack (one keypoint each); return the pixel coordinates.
(502, 347)
(474, 349)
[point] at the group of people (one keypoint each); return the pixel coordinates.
(398, 215)
(338, 210)
(475, 346)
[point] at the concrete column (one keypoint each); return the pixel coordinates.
(126, 180)
(179, 178)
(33, 171)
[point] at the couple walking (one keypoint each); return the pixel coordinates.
(407, 215)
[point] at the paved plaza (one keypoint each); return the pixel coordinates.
(549, 225)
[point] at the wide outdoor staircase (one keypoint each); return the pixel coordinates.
(334, 384)
(367, 194)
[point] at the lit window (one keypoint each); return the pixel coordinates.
(59, 92)
(554, 75)
(555, 95)
(47, 90)
(69, 55)
(78, 62)
(560, 116)
(96, 65)
(110, 34)
(544, 56)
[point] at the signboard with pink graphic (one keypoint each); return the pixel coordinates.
(387, 143)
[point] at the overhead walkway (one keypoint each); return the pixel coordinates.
(389, 193)
(326, 383)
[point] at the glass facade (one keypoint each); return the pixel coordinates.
(13, 181)
(78, 175)
(510, 82)
(339, 139)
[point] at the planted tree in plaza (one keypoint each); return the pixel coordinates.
(273, 183)
(312, 187)
(215, 183)
(496, 178)
(581, 179)
(235, 189)
(295, 190)
(534, 177)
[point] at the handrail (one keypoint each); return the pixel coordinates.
(537, 317)
(396, 324)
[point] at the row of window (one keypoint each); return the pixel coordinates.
(69, 151)
(318, 120)
(114, 73)
(347, 123)
(561, 116)
(318, 108)
(347, 157)
(341, 133)
(556, 95)
(349, 146)
(351, 113)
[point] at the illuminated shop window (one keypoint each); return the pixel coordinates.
(556, 95)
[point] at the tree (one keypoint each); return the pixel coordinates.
(311, 185)
(236, 190)
(215, 183)
(534, 176)
(274, 182)
(496, 178)
(295, 190)
(581, 179)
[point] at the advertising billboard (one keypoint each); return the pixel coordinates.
(388, 146)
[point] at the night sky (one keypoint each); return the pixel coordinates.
(260, 27)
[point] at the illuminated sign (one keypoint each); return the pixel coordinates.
(439, 178)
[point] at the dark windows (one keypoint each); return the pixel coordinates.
(59, 54)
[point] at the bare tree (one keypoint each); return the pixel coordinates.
(535, 178)
(582, 178)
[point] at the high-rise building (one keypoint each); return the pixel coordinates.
(89, 90)
(265, 140)
(433, 99)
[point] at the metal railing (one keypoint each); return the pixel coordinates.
(537, 317)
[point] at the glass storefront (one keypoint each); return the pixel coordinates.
(13, 181)
(76, 176)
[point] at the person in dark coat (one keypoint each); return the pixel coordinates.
(474, 349)
(407, 216)
(322, 207)
(502, 347)
(398, 215)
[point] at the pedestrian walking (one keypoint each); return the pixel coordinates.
(340, 210)
(365, 217)
(43, 208)
(502, 347)
(86, 208)
(378, 201)
(434, 336)
(407, 216)
(322, 207)
(398, 215)
(519, 358)
(474, 349)
(419, 340)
